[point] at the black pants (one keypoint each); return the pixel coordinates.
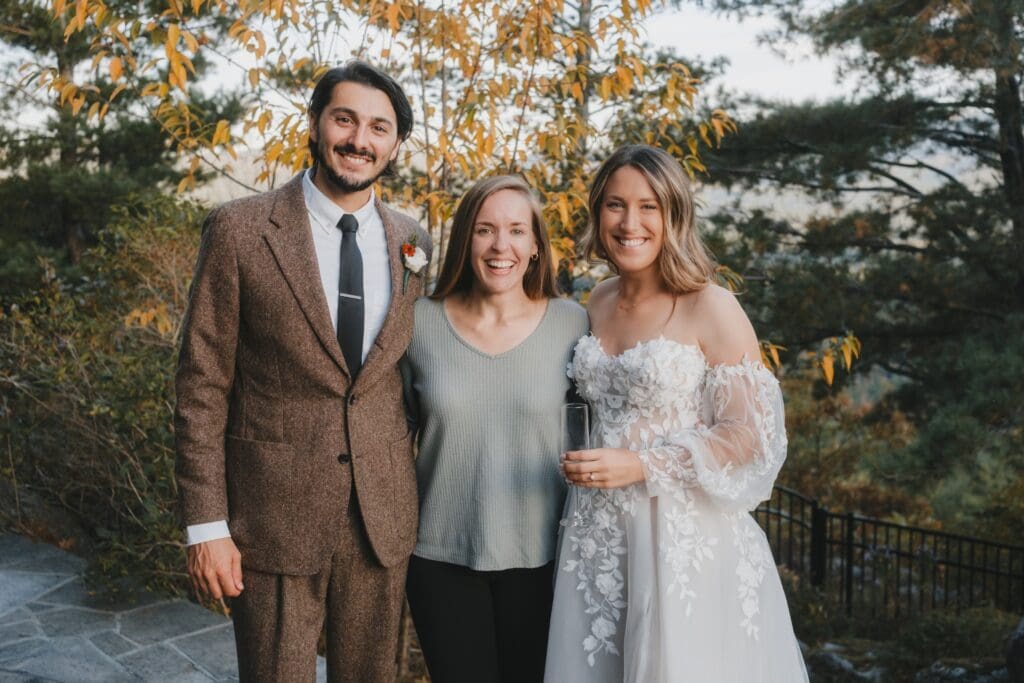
(481, 627)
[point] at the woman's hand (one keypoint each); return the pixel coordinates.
(602, 468)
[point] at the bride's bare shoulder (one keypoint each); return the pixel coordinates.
(725, 332)
(602, 291)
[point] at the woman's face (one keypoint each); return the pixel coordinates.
(631, 227)
(503, 242)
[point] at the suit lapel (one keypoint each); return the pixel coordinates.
(291, 242)
(378, 356)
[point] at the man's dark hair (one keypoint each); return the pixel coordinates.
(357, 71)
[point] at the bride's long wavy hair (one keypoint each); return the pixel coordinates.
(684, 262)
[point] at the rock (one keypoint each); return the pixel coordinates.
(18, 587)
(1015, 654)
(939, 672)
(18, 552)
(955, 672)
(159, 663)
(826, 664)
(74, 621)
(154, 623)
(213, 650)
(113, 644)
(71, 659)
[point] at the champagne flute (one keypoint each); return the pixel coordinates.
(575, 424)
(575, 427)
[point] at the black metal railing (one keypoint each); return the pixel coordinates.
(886, 568)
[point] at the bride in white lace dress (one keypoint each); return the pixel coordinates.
(663, 575)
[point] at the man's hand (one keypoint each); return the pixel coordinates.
(602, 468)
(215, 569)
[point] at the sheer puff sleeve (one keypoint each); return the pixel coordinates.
(735, 452)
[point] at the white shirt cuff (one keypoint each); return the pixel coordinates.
(210, 531)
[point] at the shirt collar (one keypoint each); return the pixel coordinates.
(325, 212)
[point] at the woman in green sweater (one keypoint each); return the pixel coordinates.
(488, 364)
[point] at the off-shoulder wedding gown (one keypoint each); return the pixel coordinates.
(671, 580)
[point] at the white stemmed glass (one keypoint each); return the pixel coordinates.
(575, 437)
(575, 427)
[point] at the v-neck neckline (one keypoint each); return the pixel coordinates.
(492, 356)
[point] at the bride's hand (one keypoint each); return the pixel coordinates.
(602, 468)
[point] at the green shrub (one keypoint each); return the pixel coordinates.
(86, 371)
(903, 646)
(23, 264)
(816, 618)
(974, 636)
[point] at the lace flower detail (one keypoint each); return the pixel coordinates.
(598, 543)
(689, 547)
(755, 560)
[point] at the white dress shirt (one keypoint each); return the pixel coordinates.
(324, 216)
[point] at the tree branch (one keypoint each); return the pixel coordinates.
(811, 185)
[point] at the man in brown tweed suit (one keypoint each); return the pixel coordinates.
(294, 461)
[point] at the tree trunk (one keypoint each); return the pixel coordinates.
(67, 134)
(1010, 120)
(583, 65)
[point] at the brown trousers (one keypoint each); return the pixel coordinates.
(278, 618)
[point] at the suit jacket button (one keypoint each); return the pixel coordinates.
(344, 458)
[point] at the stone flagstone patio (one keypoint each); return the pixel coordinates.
(52, 629)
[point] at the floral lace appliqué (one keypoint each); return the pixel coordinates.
(597, 542)
(689, 547)
(755, 560)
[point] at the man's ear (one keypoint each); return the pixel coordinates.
(394, 152)
(311, 120)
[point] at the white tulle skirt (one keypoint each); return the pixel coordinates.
(658, 596)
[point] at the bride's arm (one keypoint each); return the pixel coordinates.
(736, 453)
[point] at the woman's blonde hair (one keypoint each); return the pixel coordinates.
(457, 272)
(684, 262)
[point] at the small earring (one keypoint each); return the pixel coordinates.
(535, 256)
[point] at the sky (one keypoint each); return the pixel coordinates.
(754, 68)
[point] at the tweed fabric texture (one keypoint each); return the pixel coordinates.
(278, 617)
(267, 416)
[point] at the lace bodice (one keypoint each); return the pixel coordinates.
(645, 393)
(719, 428)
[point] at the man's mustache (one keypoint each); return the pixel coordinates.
(351, 150)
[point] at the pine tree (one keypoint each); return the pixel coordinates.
(913, 233)
(68, 156)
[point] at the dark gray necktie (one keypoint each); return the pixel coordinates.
(350, 296)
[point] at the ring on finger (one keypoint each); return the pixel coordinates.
(591, 476)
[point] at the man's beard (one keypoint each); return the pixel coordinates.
(340, 182)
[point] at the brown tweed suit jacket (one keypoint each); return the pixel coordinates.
(267, 416)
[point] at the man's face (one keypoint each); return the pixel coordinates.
(355, 136)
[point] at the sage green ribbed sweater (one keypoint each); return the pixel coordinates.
(490, 491)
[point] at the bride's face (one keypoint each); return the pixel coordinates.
(632, 230)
